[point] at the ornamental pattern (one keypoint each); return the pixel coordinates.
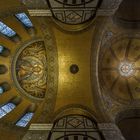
(30, 70)
(120, 68)
(73, 11)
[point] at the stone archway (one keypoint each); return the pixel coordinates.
(128, 122)
(74, 127)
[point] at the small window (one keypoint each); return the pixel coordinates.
(1, 49)
(3, 69)
(5, 109)
(24, 19)
(1, 90)
(25, 119)
(5, 30)
(4, 51)
(4, 87)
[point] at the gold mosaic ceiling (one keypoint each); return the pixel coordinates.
(37, 77)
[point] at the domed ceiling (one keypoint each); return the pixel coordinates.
(30, 69)
(120, 68)
(116, 78)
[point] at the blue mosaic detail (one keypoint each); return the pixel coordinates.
(5, 30)
(1, 90)
(24, 19)
(5, 109)
(1, 49)
(25, 120)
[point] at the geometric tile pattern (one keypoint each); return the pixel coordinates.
(73, 11)
(74, 127)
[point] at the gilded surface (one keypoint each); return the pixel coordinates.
(31, 69)
(52, 71)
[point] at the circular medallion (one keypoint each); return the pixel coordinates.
(30, 70)
(126, 69)
(74, 68)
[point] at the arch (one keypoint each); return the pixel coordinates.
(3, 69)
(76, 136)
(74, 2)
(75, 109)
(4, 87)
(128, 122)
(128, 113)
(75, 127)
(4, 51)
(127, 14)
(73, 12)
(77, 115)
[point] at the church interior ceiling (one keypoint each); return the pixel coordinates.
(81, 60)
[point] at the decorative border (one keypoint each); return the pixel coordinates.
(52, 72)
(13, 71)
(68, 110)
(52, 9)
(73, 28)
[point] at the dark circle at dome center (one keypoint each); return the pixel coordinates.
(74, 68)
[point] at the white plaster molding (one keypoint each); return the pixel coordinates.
(40, 12)
(46, 127)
